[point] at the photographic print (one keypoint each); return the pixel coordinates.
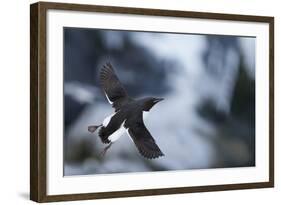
(148, 101)
(135, 102)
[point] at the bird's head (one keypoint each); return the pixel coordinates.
(149, 102)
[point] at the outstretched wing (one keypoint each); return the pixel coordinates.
(112, 87)
(143, 140)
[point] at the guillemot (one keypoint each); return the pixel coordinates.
(128, 116)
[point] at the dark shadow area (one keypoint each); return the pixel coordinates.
(24, 195)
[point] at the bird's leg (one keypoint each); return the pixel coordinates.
(93, 128)
(105, 149)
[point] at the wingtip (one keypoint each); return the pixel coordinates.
(154, 156)
(107, 66)
(160, 155)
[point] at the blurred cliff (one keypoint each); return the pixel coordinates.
(206, 121)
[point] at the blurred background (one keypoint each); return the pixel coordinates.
(207, 119)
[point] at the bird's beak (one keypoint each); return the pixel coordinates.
(158, 100)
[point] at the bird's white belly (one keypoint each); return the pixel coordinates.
(117, 134)
(107, 120)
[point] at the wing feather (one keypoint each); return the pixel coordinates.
(112, 87)
(143, 140)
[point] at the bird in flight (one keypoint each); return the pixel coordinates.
(128, 116)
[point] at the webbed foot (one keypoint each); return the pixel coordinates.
(93, 128)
